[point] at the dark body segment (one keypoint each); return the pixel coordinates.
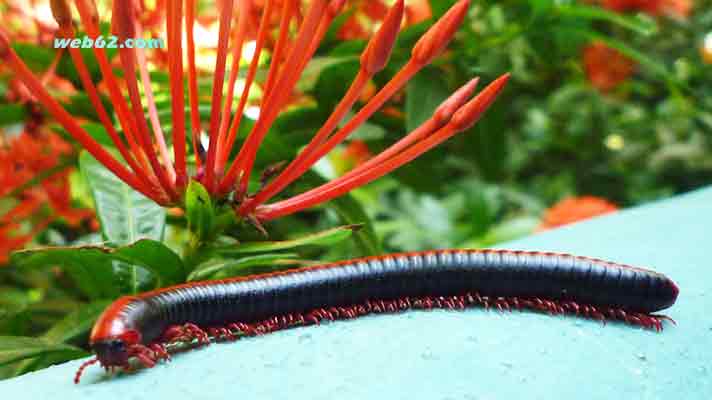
(494, 273)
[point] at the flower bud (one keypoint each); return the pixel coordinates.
(61, 12)
(379, 48)
(436, 39)
(468, 114)
(447, 108)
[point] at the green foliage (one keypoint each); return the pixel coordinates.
(199, 211)
(13, 349)
(125, 215)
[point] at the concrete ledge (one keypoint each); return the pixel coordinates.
(474, 354)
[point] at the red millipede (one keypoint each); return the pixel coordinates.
(140, 327)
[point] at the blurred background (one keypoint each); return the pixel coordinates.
(607, 108)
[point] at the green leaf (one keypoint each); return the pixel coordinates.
(154, 256)
(351, 212)
(637, 24)
(333, 82)
(76, 323)
(199, 210)
(323, 238)
(223, 268)
(125, 215)
(424, 94)
(91, 271)
(16, 348)
(12, 114)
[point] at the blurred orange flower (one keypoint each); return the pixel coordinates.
(357, 152)
(575, 209)
(367, 13)
(606, 67)
(673, 8)
(37, 187)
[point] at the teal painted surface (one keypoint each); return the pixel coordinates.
(474, 354)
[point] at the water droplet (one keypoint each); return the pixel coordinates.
(304, 338)
(428, 355)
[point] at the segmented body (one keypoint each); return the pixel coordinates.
(555, 283)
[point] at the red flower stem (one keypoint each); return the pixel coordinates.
(175, 62)
(339, 187)
(466, 116)
(227, 139)
(96, 102)
(291, 172)
(52, 67)
(123, 23)
(151, 104)
(192, 78)
(365, 113)
(440, 118)
(429, 46)
(90, 19)
(374, 59)
(223, 38)
(66, 120)
(280, 47)
(285, 82)
(62, 14)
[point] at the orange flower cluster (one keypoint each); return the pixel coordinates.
(674, 8)
(574, 209)
(31, 176)
(367, 13)
(605, 67)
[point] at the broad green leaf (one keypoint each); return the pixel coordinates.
(154, 256)
(333, 82)
(91, 270)
(199, 210)
(324, 238)
(16, 348)
(223, 268)
(125, 215)
(424, 94)
(76, 323)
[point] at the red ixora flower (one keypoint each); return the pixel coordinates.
(31, 179)
(151, 170)
(606, 67)
(575, 209)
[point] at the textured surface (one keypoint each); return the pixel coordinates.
(464, 355)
